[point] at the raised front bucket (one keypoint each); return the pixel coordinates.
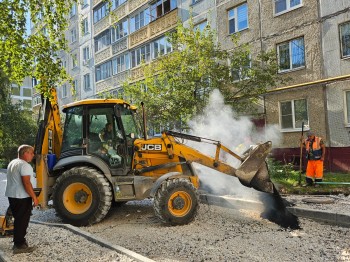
(253, 171)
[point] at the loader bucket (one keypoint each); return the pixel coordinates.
(253, 171)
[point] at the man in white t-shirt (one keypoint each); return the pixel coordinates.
(20, 193)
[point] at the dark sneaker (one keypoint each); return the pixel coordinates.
(23, 249)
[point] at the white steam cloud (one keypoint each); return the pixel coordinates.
(220, 122)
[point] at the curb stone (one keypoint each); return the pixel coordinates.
(322, 216)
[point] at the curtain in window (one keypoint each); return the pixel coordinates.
(294, 3)
(298, 54)
(242, 16)
(345, 39)
(284, 59)
(286, 115)
(280, 5)
(348, 105)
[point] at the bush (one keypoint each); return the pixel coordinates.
(284, 172)
(3, 163)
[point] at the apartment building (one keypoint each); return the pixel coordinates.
(311, 40)
(22, 94)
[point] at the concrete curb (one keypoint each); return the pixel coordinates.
(98, 241)
(318, 215)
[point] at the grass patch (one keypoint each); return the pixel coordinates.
(287, 181)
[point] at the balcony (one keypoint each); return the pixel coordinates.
(120, 46)
(103, 55)
(154, 29)
(136, 74)
(134, 4)
(112, 82)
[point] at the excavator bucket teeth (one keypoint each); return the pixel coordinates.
(253, 171)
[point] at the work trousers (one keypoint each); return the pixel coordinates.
(21, 210)
(314, 170)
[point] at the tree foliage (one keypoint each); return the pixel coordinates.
(176, 86)
(36, 54)
(16, 125)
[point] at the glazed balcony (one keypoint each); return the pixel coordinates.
(112, 82)
(154, 29)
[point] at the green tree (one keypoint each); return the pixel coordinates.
(16, 125)
(177, 85)
(36, 54)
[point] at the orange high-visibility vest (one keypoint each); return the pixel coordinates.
(315, 152)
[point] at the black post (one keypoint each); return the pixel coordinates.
(301, 152)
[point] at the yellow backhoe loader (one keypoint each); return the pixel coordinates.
(84, 175)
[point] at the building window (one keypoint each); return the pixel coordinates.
(73, 35)
(101, 11)
(161, 7)
(141, 54)
(347, 111)
(293, 113)
(87, 86)
(238, 18)
(102, 40)
(86, 54)
(291, 54)
(85, 25)
(116, 3)
(75, 85)
(241, 70)
(120, 63)
(345, 39)
(282, 6)
(201, 26)
(119, 30)
(73, 10)
(161, 47)
(84, 3)
(64, 91)
(74, 60)
(103, 71)
(139, 20)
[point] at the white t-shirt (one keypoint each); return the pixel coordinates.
(15, 170)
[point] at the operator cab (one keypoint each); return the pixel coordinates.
(101, 130)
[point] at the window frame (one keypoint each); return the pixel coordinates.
(341, 41)
(85, 25)
(86, 53)
(64, 91)
(290, 56)
(294, 128)
(103, 40)
(73, 35)
(87, 84)
(154, 6)
(74, 61)
(288, 8)
(235, 17)
(119, 31)
(145, 17)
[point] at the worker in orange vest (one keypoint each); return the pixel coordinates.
(315, 153)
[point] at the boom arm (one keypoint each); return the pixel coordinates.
(48, 141)
(251, 173)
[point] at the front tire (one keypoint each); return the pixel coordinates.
(82, 196)
(176, 202)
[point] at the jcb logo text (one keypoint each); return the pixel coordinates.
(152, 147)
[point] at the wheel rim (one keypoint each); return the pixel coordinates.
(180, 203)
(77, 198)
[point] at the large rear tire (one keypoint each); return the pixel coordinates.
(82, 196)
(176, 202)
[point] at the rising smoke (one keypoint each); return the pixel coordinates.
(220, 122)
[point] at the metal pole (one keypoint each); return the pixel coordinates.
(301, 152)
